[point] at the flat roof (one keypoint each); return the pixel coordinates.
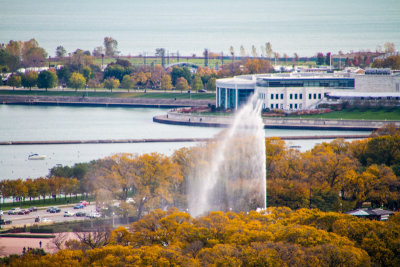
(363, 94)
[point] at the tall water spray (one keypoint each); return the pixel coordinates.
(230, 174)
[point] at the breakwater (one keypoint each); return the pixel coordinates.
(164, 140)
(175, 117)
(101, 101)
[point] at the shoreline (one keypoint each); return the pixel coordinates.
(101, 101)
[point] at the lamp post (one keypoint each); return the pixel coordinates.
(49, 61)
(102, 58)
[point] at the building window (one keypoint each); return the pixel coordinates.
(300, 106)
(295, 96)
(301, 96)
(281, 96)
(291, 96)
(319, 96)
(291, 106)
(309, 96)
(315, 96)
(272, 96)
(272, 106)
(281, 106)
(276, 106)
(295, 106)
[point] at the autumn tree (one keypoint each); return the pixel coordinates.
(29, 79)
(128, 82)
(76, 81)
(268, 50)
(182, 84)
(166, 83)
(14, 81)
(111, 46)
(211, 84)
(32, 54)
(111, 83)
(197, 84)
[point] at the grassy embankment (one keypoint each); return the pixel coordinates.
(118, 93)
(358, 114)
(390, 114)
(44, 203)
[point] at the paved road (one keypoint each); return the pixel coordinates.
(18, 220)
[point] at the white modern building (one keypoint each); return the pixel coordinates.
(306, 90)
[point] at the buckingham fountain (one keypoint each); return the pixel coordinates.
(229, 174)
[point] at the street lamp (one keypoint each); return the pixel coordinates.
(102, 58)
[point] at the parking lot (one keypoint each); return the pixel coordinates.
(51, 217)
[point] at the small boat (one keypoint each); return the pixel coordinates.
(36, 157)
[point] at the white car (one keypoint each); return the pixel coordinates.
(45, 220)
(94, 214)
(68, 214)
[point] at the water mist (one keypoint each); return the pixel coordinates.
(230, 174)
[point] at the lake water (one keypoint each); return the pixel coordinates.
(30, 123)
(305, 27)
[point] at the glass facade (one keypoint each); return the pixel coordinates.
(227, 97)
(307, 82)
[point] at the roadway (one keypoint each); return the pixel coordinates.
(29, 219)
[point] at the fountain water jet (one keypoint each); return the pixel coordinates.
(231, 173)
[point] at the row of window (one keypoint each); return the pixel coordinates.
(292, 96)
(291, 106)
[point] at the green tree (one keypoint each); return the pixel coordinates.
(212, 84)
(14, 81)
(180, 72)
(76, 81)
(29, 79)
(63, 75)
(197, 84)
(127, 82)
(320, 58)
(166, 83)
(88, 73)
(110, 46)
(60, 51)
(111, 83)
(182, 84)
(47, 79)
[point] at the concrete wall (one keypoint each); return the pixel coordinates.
(377, 83)
(292, 123)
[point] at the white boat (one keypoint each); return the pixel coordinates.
(36, 157)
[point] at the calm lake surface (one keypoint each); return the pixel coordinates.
(30, 123)
(305, 27)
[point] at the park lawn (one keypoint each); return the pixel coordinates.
(150, 94)
(359, 114)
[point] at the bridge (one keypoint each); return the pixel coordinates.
(183, 64)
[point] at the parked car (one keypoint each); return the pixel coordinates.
(79, 206)
(32, 209)
(84, 203)
(55, 210)
(13, 211)
(23, 212)
(80, 214)
(68, 214)
(202, 91)
(46, 220)
(50, 209)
